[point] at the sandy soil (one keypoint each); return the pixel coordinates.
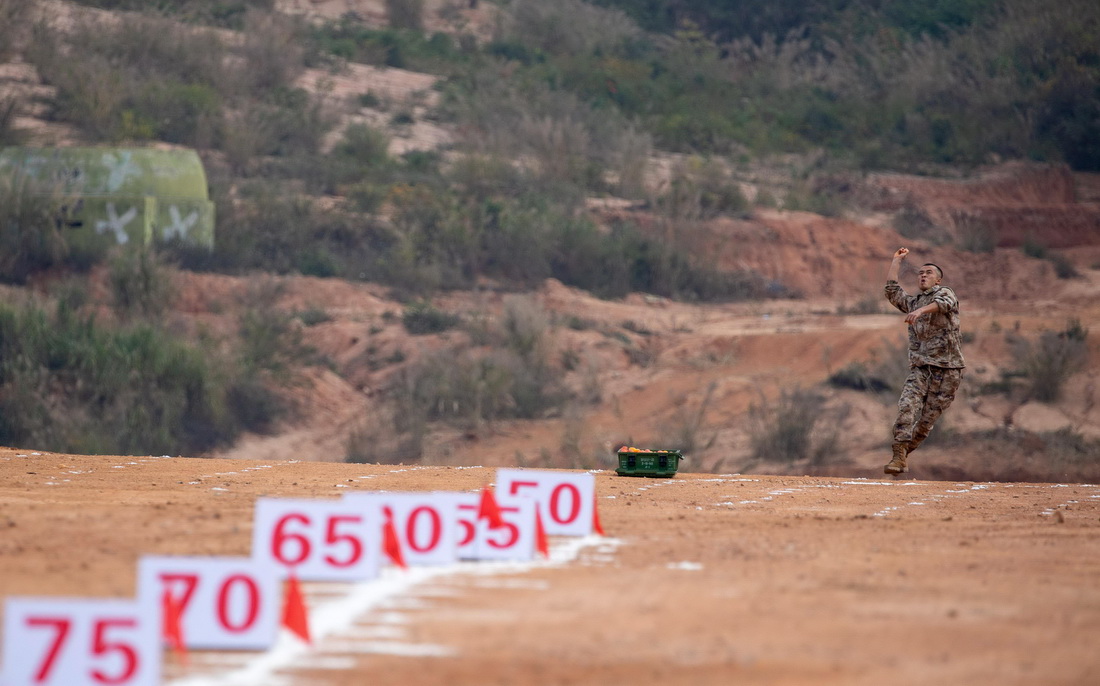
(702, 579)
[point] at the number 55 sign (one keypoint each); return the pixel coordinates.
(566, 500)
(80, 642)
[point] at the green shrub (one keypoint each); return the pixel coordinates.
(69, 385)
(701, 189)
(1032, 247)
(391, 440)
(143, 76)
(313, 316)
(1047, 362)
(1019, 455)
(809, 198)
(797, 426)
(226, 13)
(15, 18)
(140, 283)
(136, 76)
(366, 145)
(885, 372)
(405, 14)
(188, 114)
(32, 216)
(90, 92)
(262, 228)
(857, 377)
(10, 107)
(350, 40)
(422, 318)
(270, 342)
(1063, 268)
(468, 388)
(272, 53)
(568, 27)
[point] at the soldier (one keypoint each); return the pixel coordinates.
(935, 356)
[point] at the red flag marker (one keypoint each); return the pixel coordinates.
(173, 626)
(390, 543)
(295, 616)
(489, 509)
(596, 526)
(540, 536)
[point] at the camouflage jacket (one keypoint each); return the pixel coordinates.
(934, 338)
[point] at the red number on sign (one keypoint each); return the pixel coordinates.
(190, 581)
(101, 646)
(280, 537)
(332, 538)
(253, 604)
(513, 531)
(468, 530)
(437, 529)
(62, 626)
(555, 500)
(516, 485)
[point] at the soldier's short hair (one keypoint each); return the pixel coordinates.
(938, 268)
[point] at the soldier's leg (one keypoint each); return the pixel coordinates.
(911, 404)
(942, 386)
(910, 407)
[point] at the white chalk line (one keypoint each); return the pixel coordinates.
(333, 622)
(958, 491)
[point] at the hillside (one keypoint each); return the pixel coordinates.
(674, 374)
(753, 282)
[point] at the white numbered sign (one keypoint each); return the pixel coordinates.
(566, 500)
(515, 540)
(319, 540)
(80, 642)
(426, 524)
(225, 603)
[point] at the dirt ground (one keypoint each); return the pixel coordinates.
(707, 578)
(701, 579)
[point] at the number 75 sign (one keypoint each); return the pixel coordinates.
(80, 642)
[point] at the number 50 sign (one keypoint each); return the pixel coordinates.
(79, 642)
(566, 500)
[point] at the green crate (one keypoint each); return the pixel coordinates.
(654, 463)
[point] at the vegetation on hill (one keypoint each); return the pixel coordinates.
(566, 101)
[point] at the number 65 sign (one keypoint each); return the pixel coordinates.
(320, 540)
(80, 642)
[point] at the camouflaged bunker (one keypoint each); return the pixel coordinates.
(123, 195)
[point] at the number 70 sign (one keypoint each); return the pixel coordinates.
(79, 642)
(225, 603)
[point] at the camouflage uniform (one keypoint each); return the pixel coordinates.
(935, 361)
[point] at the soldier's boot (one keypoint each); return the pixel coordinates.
(897, 464)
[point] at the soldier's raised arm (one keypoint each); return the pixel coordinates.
(895, 264)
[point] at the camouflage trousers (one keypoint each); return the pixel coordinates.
(928, 391)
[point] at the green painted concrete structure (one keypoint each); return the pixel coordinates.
(124, 195)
